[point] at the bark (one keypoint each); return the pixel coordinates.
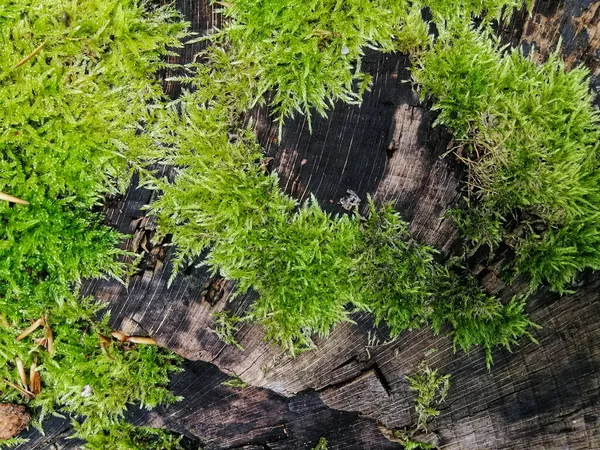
(352, 390)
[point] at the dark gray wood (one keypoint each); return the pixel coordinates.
(213, 416)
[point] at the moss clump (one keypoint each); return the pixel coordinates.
(529, 136)
(76, 86)
(431, 390)
(308, 54)
(124, 436)
(405, 288)
(310, 269)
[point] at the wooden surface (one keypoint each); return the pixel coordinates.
(352, 390)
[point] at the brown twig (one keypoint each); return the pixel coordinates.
(20, 389)
(31, 55)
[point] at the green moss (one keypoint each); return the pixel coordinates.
(431, 390)
(84, 112)
(404, 287)
(80, 101)
(307, 55)
(70, 120)
(12, 442)
(475, 317)
(235, 382)
(310, 269)
(529, 136)
(309, 52)
(127, 437)
(321, 445)
(226, 325)
(114, 376)
(393, 272)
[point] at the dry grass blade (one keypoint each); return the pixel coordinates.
(49, 339)
(31, 374)
(121, 337)
(141, 340)
(35, 382)
(22, 373)
(25, 392)
(10, 198)
(31, 328)
(104, 341)
(31, 55)
(42, 342)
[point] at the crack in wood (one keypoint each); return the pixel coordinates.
(382, 379)
(261, 442)
(346, 363)
(153, 252)
(373, 368)
(213, 290)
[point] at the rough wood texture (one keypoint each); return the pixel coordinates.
(574, 23)
(214, 417)
(542, 396)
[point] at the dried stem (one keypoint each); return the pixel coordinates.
(31, 55)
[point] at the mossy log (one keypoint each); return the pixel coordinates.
(352, 389)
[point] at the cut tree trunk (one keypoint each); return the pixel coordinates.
(352, 389)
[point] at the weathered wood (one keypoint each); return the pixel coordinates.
(214, 417)
(573, 24)
(539, 397)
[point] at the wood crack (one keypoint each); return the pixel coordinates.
(374, 368)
